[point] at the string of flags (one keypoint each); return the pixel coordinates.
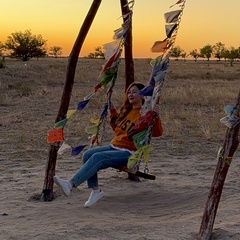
(232, 119)
(107, 76)
(152, 92)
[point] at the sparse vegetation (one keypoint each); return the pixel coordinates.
(25, 45)
(192, 100)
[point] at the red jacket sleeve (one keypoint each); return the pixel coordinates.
(157, 128)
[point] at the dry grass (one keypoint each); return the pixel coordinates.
(192, 102)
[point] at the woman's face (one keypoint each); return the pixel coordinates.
(134, 97)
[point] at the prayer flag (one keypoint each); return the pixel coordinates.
(171, 17)
(111, 48)
(113, 61)
(159, 46)
(88, 96)
(170, 29)
(77, 150)
(70, 113)
(91, 129)
(55, 135)
(95, 120)
(63, 148)
(61, 123)
(229, 109)
(178, 2)
(147, 91)
(108, 76)
(104, 112)
(230, 121)
(82, 104)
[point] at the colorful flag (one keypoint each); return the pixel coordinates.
(55, 135)
(178, 2)
(108, 76)
(170, 29)
(70, 113)
(104, 112)
(159, 46)
(82, 104)
(147, 91)
(61, 123)
(229, 109)
(77, 150)
(171, 17)
(63, 148)
(111, 48)
(91, 129)
(95, 120)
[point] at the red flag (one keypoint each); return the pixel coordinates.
(178, 2)
(55, 135)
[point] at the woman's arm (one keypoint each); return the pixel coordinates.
(157, 128)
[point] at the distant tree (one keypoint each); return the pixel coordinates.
(231, 54)
(55, 51)
(218, 50)
(176, 52)
(194, 53)
(25, 45)
(206, 51)
(184, 55)
(97, 54)
(2, 48)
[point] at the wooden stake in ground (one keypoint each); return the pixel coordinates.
(72, 63)
(225, 157)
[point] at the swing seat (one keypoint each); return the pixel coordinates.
(137, 173)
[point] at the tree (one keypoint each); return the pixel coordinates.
(176, 52)
(2, 48)
(194, 53)
(97, 54)
(231, 54)
(206, 51)
(218, 50)
(25, 45)
(55, 51)
(184, 55)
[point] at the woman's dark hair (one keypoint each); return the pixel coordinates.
(127, 106)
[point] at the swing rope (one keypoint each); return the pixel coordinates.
(143, 135)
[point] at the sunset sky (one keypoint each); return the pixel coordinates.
(59, 21)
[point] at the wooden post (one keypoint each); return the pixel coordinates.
(229, 147)
(72, 63)
(129, 64)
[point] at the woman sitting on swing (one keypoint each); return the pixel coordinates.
(115, 154)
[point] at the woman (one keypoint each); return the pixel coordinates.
(117, 153)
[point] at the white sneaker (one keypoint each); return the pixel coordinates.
(93, 198)
(63, 185)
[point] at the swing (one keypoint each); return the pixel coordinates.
(108, 75)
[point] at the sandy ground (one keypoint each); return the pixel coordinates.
(168, 208)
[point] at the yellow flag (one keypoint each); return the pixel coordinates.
(70, 113)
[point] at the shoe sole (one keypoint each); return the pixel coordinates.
(56, 180)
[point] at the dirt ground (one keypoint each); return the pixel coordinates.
(183, 160)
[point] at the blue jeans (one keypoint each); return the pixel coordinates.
(96, 159)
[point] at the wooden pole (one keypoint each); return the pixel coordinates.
(66, 95)
(229, 147)
(129, 64)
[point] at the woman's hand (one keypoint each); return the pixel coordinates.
(156, 109)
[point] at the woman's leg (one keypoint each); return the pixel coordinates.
(91, 151)
(99, 160)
